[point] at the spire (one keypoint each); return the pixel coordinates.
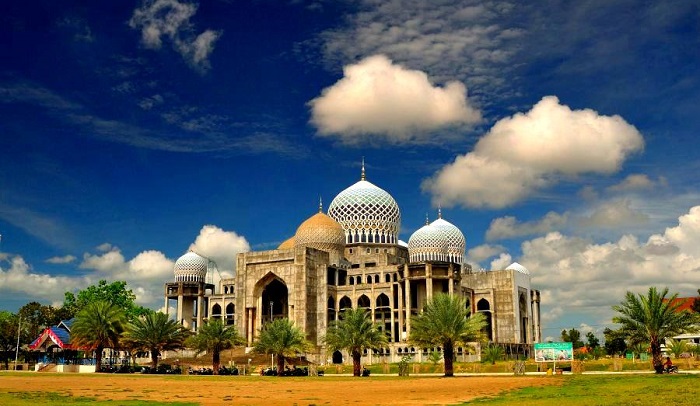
(363, 177)
(439, 211)
(320, 204)
(427, 222)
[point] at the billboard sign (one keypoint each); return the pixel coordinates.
(554, 352)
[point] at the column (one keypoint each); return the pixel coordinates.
(249, 328)
(428, 281)
(408, 301)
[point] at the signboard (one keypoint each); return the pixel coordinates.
(553, 352)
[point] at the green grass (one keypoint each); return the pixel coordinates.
(665, 390)
(52, 398)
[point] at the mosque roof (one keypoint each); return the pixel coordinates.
(517, 267)
(437, 241)
(191, 267)
(287, 244)
(321, 232)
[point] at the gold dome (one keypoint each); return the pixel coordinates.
(287, 244)
(320, 232)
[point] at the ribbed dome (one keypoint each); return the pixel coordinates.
(191, 268)
(287, 244)
(456, 243)
(427, 244)
(437, 241)
(519, 268)
(320, 232)
(367, 213)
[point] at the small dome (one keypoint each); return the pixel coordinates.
(191, 267)
(287, 244)
(367, 213)
(428, 243)
(320, 232)
(517, 267)
(437, 241)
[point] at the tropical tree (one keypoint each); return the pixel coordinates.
(572, 336)
(156, 333)
(446, 322)
(214, 336)
(652, 318)
(97, 326)
(9, 323)
(592, 340)
(492, 353)
(614, 341)
(282, 339)
(677, 347)
(115, 292)
(354, 332)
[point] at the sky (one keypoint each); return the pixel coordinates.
(558, 134)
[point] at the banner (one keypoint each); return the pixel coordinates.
(553, 352)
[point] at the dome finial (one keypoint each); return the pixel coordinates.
(439, 211)
(363, 177)
(320, 204)
(427, 222)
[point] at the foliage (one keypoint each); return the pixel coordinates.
(115, 293)
(282, 339)
(156, 333)
(677, 347)
(614, 341)
(403, 364)
(8, 336)
(214, 336)
(696, 303)
(434, 357)
(97, 326)
(492, 353)
(592, 340)
(446, 322)
(652, 319)
(638, 349)
(36, 317)
(572, 336)
(355, 333)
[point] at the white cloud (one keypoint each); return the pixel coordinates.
(637, 182)
(510, 227)
(220, 246)
(66, 259)
(614, 214)
(529, 151)
(501, 262)
(376, 97)
(483, 252)
(579, 276)
(171, 19)
(20, 277)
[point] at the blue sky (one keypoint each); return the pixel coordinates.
(560, 135)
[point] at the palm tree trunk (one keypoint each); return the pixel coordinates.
(449, 355)
(280, 364)
(656, 356)
(215, 362)
(154, 359)
(98, 358)
(356, 363)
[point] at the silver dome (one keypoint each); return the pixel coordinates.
(191, 267)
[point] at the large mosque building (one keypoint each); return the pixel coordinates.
(352, 257)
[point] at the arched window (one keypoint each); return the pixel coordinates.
(331, 309)
(376, 278)
(387, 277)
(363, 302)
(369, 279)
(216, 311)
(345, 303)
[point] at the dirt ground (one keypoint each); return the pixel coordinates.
(269, 391)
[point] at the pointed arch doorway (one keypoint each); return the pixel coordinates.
(275, 301)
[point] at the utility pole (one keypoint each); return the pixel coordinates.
(19, 329)
(272, 356)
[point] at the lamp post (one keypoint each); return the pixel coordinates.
(19, 329)
(272, 356)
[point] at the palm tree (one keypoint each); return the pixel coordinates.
(281, 338)
(354, 332)
(97, 326)
(214, 336)
(677, 347)
(492, 353)
(652, 319)
(156, 333)
(446, 321)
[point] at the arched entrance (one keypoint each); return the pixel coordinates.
(484, 307)
(337, 357)
(275, 300)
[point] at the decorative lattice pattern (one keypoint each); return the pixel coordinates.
(437, 241)
(320, 232)
(191, 268)
(367, 214)
(519, 268)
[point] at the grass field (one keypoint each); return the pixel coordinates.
(20, 389)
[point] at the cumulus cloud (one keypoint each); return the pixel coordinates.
(501, 262)
(19, 276)
(159, 19)
(614, 214)
(529, 151)
(578, 275)
(377, 97)
(66, 259)
(220, 246)
(147, 265)
(636, 182)
(510, 227)
(483, 252)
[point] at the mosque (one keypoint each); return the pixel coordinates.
(352, 257)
